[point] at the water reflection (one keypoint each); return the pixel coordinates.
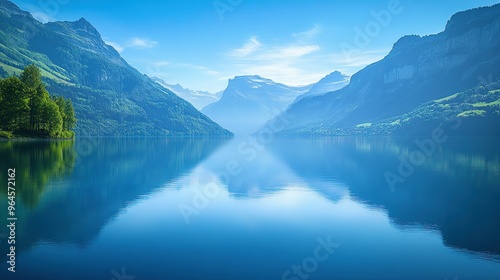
(119, 204)
(67, 203)
(455, 190)
(36, 162)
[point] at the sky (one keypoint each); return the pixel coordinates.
(200, 44)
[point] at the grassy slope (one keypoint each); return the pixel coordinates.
(477, 110)
(477, 107)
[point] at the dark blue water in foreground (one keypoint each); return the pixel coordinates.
(319, 208)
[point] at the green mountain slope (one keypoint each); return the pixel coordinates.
(110, 97)
(474, 112)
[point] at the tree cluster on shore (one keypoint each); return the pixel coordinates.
(27, 109)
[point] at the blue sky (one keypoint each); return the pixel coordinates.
(202, 43)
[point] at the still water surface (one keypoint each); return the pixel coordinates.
(315, 208)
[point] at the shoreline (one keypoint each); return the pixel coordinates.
(8, 136)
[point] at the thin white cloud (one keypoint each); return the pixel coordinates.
(286, 63)
(287, 52)
(251, 46)
(202, 69)
(309, 34)
(298, 62)
(359, 58)
(285, 73)
(133, 43)
(253, 49)
(162, 63)
(142, 43)
(164, 68)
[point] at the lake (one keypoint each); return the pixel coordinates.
(301, 208)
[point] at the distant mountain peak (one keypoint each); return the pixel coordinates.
(199, 99)
(331, 82)
(336, 75)
(83, 25)
(249, 101)
(83, 22)
(244, 81)
(248, 77)
(81, 33)
(256, 78)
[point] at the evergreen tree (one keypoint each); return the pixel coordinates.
(61, 103)
(67, 112)
(36, 92)
(13, 105)
(32, 76)
(51, 118)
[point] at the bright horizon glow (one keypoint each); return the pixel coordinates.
(200, 44)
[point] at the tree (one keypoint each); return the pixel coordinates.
(51, 118)
(32, 76)
(37, 94)
(61, 102)
(67, 112)
(13, 104)
(70, 115)
(25, 105)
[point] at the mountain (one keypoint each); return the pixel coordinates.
(110, 97)
(417, 70)
(474, 112)
(249, 101)
(332, 82)
(199, 99)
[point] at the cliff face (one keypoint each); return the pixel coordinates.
(417, 70)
